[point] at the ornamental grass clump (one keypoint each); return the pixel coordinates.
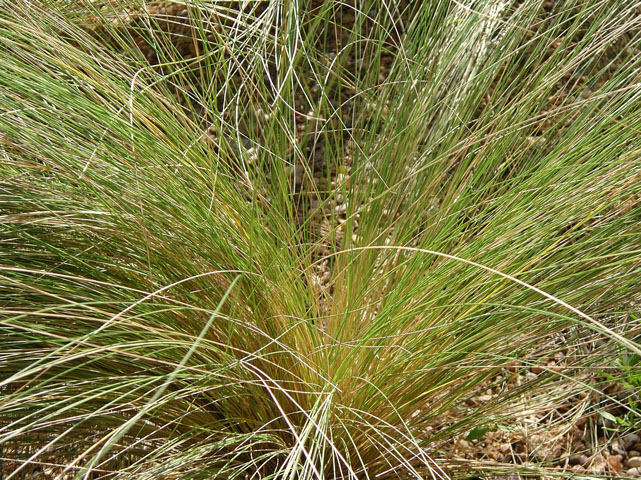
(304, 240)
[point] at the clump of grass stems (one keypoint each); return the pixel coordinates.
(160, 314)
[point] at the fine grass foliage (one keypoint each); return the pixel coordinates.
(299, 239)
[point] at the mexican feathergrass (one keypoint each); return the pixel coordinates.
(162, 311)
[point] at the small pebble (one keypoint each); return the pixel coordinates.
(578, 447)
(616, 447)
(633, 462)
(615, 461)
(637, 447)
(633, 472)
(634, 453)
(630, 440)
(579, 460)
(599, 464)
